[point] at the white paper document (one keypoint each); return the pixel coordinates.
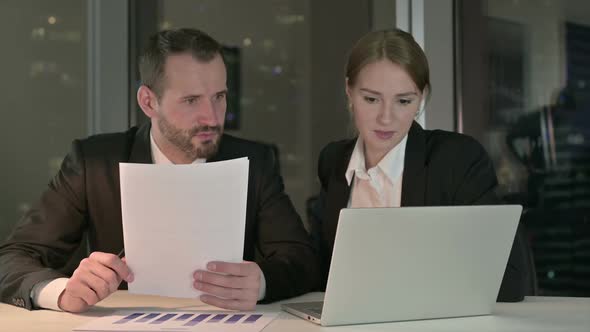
(177, 218)
(181, 321)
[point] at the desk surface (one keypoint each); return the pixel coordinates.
(534, 314)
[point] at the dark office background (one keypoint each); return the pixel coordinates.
(521, 82)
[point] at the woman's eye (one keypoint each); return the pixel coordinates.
(405, 102)
(370, 100)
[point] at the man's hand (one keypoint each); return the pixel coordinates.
(97, 277)
(230, 285)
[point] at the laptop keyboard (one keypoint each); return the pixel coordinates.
(316, 310)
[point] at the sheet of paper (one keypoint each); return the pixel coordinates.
(177, 218)
(181, 321)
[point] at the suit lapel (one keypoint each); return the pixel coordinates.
(414, 178)
(339, 194)
(141, 151)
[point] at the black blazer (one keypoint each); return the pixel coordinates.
(85, 196)
(440, 168)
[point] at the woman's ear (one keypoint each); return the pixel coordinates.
(422, 105)
(348, 94)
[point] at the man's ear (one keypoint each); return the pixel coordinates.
(147, 101)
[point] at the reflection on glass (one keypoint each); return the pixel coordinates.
(538, 132)
(266, 52)
(44, 96)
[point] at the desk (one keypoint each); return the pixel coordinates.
(534, 314)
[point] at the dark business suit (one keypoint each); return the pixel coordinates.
(85, 196)
(440, 168)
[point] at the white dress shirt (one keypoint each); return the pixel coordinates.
(379, 186)
(46, 293)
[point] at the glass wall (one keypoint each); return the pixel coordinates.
(269, 57)
(43, 100)
(286, 72)
(286, 79)
(526, 95)
(523, 88)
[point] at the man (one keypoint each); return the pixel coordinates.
(184, 95)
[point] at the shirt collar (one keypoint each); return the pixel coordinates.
(160, 158)
(392, 164)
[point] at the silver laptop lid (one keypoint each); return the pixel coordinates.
(408, 263)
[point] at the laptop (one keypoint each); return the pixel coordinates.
(411, 263)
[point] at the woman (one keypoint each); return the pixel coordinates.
(394, 162)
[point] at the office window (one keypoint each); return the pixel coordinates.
(43, 100)
(286, 65)
(526, 95)
(270, 63)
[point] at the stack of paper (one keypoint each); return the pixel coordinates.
(177, 218)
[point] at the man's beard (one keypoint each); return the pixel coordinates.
(182, 139)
